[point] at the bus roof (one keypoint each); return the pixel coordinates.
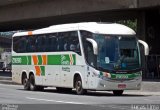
(94, 27)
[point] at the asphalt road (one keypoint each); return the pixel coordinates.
(50, 98)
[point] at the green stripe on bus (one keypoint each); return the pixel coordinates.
(122, 76)
(42, 70)
(29, 60)
(39, 60)
(128, 76)
(19, 60)
(51, 60)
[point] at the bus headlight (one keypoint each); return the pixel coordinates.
(104, 75)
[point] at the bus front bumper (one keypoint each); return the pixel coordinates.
(134, 84)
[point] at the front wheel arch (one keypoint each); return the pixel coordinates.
(74, 79)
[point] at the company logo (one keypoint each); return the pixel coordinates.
(64, 60)
(16, 60)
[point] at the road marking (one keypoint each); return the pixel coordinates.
(47, 100)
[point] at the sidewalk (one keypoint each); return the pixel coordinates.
(150, 86)
(6, 78)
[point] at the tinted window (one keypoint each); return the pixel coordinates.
(68, 41)
(64, 41)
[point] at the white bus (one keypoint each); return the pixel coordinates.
(84, 56)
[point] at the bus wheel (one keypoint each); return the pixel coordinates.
(78, 86)
(118, 92)
(32, 83)
(26, 83)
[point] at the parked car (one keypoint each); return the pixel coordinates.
(2, 66)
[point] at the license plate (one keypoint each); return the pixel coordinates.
(121, 86)
(122, 76)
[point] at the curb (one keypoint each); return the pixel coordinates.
(5, 78)
(141, 93)
(9, 82)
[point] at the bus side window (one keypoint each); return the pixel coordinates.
(60, 39)
(52, 43)
(43, 43)
(20, 44)
(88, 49)
(90, 57)
(46, 45)
(38, 43)
(23, 44)
(73, 42)
(28, 46)
(15, 44)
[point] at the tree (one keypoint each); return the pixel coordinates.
(130, 23)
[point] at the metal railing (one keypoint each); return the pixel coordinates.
(152, 67)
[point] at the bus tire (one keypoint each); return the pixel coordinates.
(78, 86)
(118, 92)
(25, 82)
(32, 83)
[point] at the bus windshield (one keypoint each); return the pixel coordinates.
(117, 52)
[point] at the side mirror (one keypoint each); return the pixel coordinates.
(94, 44)
(146, 47)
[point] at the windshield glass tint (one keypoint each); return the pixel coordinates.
(107, 50)
(117, 52)
(127, 47)
(129, 57)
